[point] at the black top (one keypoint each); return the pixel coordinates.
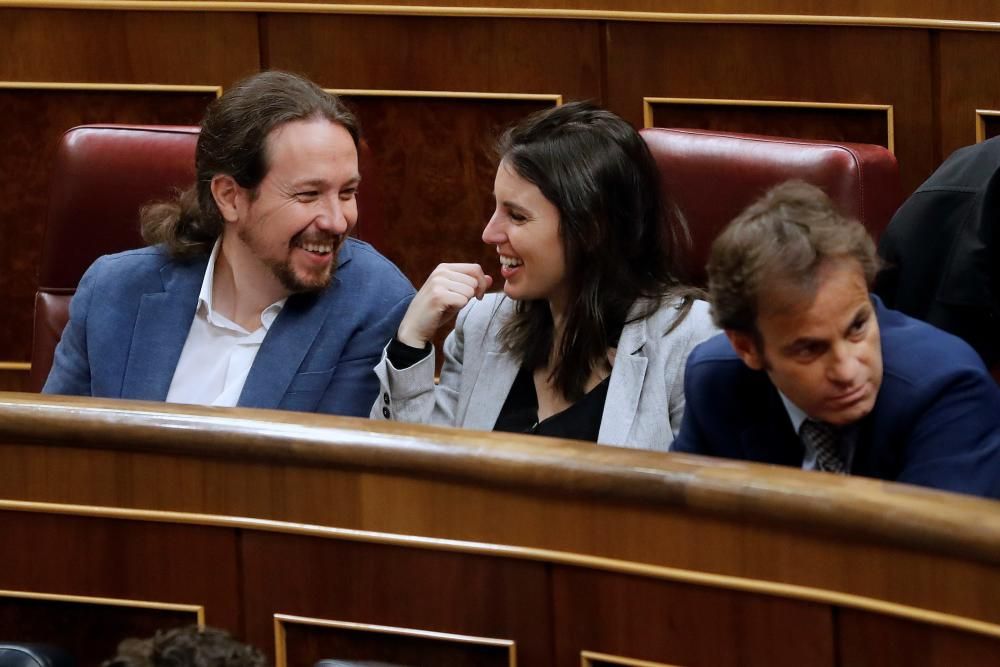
(580, 421)
(519, 414)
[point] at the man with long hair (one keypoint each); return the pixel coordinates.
(251, 291)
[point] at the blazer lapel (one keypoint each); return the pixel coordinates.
(627, 377)
(161, 328)
(489, 391)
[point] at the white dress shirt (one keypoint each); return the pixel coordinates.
(218, 353)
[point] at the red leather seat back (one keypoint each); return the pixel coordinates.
(101, 177)
(713, 176)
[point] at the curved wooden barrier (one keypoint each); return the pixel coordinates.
(316, 536)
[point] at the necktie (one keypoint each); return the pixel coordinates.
(822, 438)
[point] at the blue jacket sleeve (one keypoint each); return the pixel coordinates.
(70, 372)
(955, 444)
(354, 385)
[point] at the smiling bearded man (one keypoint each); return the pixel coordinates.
(251, 292)
(813, 371)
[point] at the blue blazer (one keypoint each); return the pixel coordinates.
(936, 421)
(130, 317)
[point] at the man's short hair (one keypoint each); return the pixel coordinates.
(233, 141)
(781, 240)
(188, 646)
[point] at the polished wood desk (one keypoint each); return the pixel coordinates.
(317, 536)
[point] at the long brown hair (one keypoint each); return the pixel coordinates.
(616, 234)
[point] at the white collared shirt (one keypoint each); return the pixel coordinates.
(218, 353)
(798, 417)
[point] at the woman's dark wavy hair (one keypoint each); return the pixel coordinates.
(617, 236)
(233, 141)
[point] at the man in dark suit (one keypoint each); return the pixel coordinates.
(813, 371)
(251, 293)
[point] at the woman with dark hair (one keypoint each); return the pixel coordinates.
(589, 338)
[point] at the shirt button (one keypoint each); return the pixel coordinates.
(385, 398)
(385, 412)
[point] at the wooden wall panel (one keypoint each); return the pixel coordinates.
(683, 624)
(36, 121)
(436, 165)
(871, 640)
(89, 631)
(13, 379)
(134, 560)
(398, 587)
(970, 80)
(807, 64)
(204, 48)
(305, 643)
(866, 126)
(473, 55)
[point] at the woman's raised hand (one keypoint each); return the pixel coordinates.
(446, 291)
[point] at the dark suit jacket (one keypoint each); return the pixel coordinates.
(943, 253)
(130, 317)
(936, 421)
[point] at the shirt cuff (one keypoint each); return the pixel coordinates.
(402, 356)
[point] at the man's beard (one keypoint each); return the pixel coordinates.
(283, 271)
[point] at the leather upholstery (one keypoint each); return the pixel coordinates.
(102, 175)
(33, 655)
(713, 176)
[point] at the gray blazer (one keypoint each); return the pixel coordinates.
(645, 400)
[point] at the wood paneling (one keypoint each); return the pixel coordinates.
(481, 55)
(969, 80)
(394, 586)
(808, 64)
(306, 643)
(558, 546)
(90, 632)
(36, 121)
(436, 165)
(13, 379)
(683, 624)
(121, 559)
(127, 47)
(870, 640)
(866, 126)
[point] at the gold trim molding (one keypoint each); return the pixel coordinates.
(109, 87)
(505, 12)
(24, 366)
(728, 582)
(981, 115)
(587, 659)
(648, 102)
(447, 94)
(197, 610)
(280, 638)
